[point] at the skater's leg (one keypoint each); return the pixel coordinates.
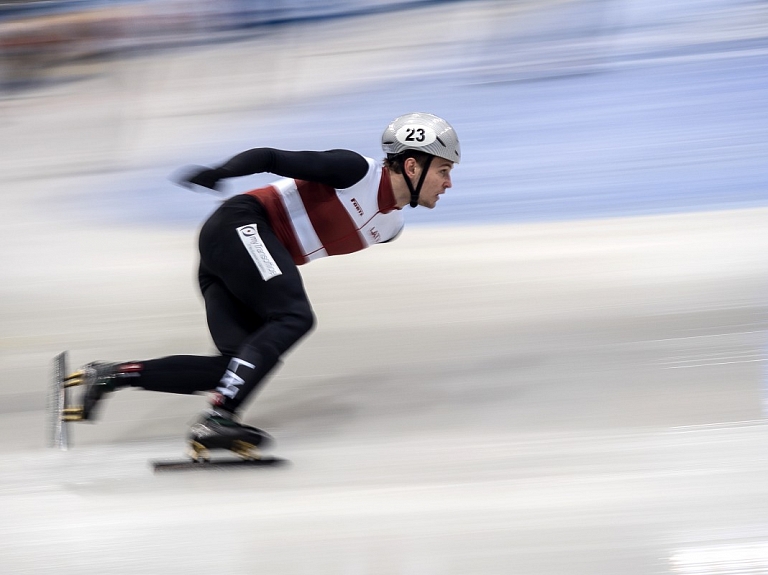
(183, 374)
(254, 316)
(291, 319)
(230, 321)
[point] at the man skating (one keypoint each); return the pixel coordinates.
(327, 203)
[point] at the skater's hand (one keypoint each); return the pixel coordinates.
(200, 176)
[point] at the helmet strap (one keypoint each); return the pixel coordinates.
(417, 190)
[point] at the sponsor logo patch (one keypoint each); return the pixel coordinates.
(258, 251)
(230, 381)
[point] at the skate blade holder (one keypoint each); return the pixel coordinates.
(74, 379)
(72, 414)
(69, 412)
(198, 452)
(244, 450)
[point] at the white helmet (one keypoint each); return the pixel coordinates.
(423, 132)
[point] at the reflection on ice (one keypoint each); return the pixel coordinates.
(741, 558)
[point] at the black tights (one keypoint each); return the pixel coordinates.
(255, 312)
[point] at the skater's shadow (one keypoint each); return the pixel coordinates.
(321, 407)
(399, 395)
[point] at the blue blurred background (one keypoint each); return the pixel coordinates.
(579, 109)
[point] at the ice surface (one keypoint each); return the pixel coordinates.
(564, 372)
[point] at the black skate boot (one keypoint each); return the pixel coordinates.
(97, 378)
(217, 429)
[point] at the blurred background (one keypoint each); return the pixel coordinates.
(559, 370)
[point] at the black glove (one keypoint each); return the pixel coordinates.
(200, 176)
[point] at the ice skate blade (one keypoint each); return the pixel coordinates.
(217, 464)
(58, 403)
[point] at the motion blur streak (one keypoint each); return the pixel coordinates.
(561, 369)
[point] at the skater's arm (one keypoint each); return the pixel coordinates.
(336, 168)
(339, 169)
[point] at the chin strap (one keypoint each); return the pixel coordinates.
(415, 191)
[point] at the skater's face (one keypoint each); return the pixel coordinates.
(438, 180)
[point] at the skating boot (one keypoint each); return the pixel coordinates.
(97, 378)
(217, 429)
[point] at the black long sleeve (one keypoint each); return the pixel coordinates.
(339, 169)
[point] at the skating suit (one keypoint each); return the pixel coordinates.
(314, 220)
